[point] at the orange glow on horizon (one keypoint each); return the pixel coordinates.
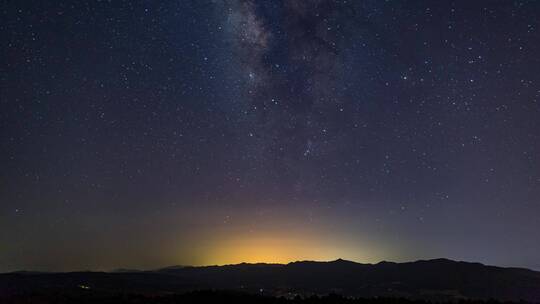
(282, 250)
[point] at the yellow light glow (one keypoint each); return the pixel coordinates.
(277, 249)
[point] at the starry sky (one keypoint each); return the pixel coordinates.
(141, 134)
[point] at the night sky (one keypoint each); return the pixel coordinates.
(141, 134)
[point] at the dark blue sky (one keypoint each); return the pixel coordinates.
(141, 134)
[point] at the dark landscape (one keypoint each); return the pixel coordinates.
(430, 280)
(294, 143)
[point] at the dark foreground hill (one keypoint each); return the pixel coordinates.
(215, 297)
(438, 279)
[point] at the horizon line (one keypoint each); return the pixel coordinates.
(129, 269)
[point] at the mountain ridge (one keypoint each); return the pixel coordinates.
(338, 260)
(345, 261)
(435, 279)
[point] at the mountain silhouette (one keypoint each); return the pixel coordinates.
(437, 279)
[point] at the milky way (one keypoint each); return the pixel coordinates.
(142, 134)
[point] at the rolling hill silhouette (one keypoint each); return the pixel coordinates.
(436, 279)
